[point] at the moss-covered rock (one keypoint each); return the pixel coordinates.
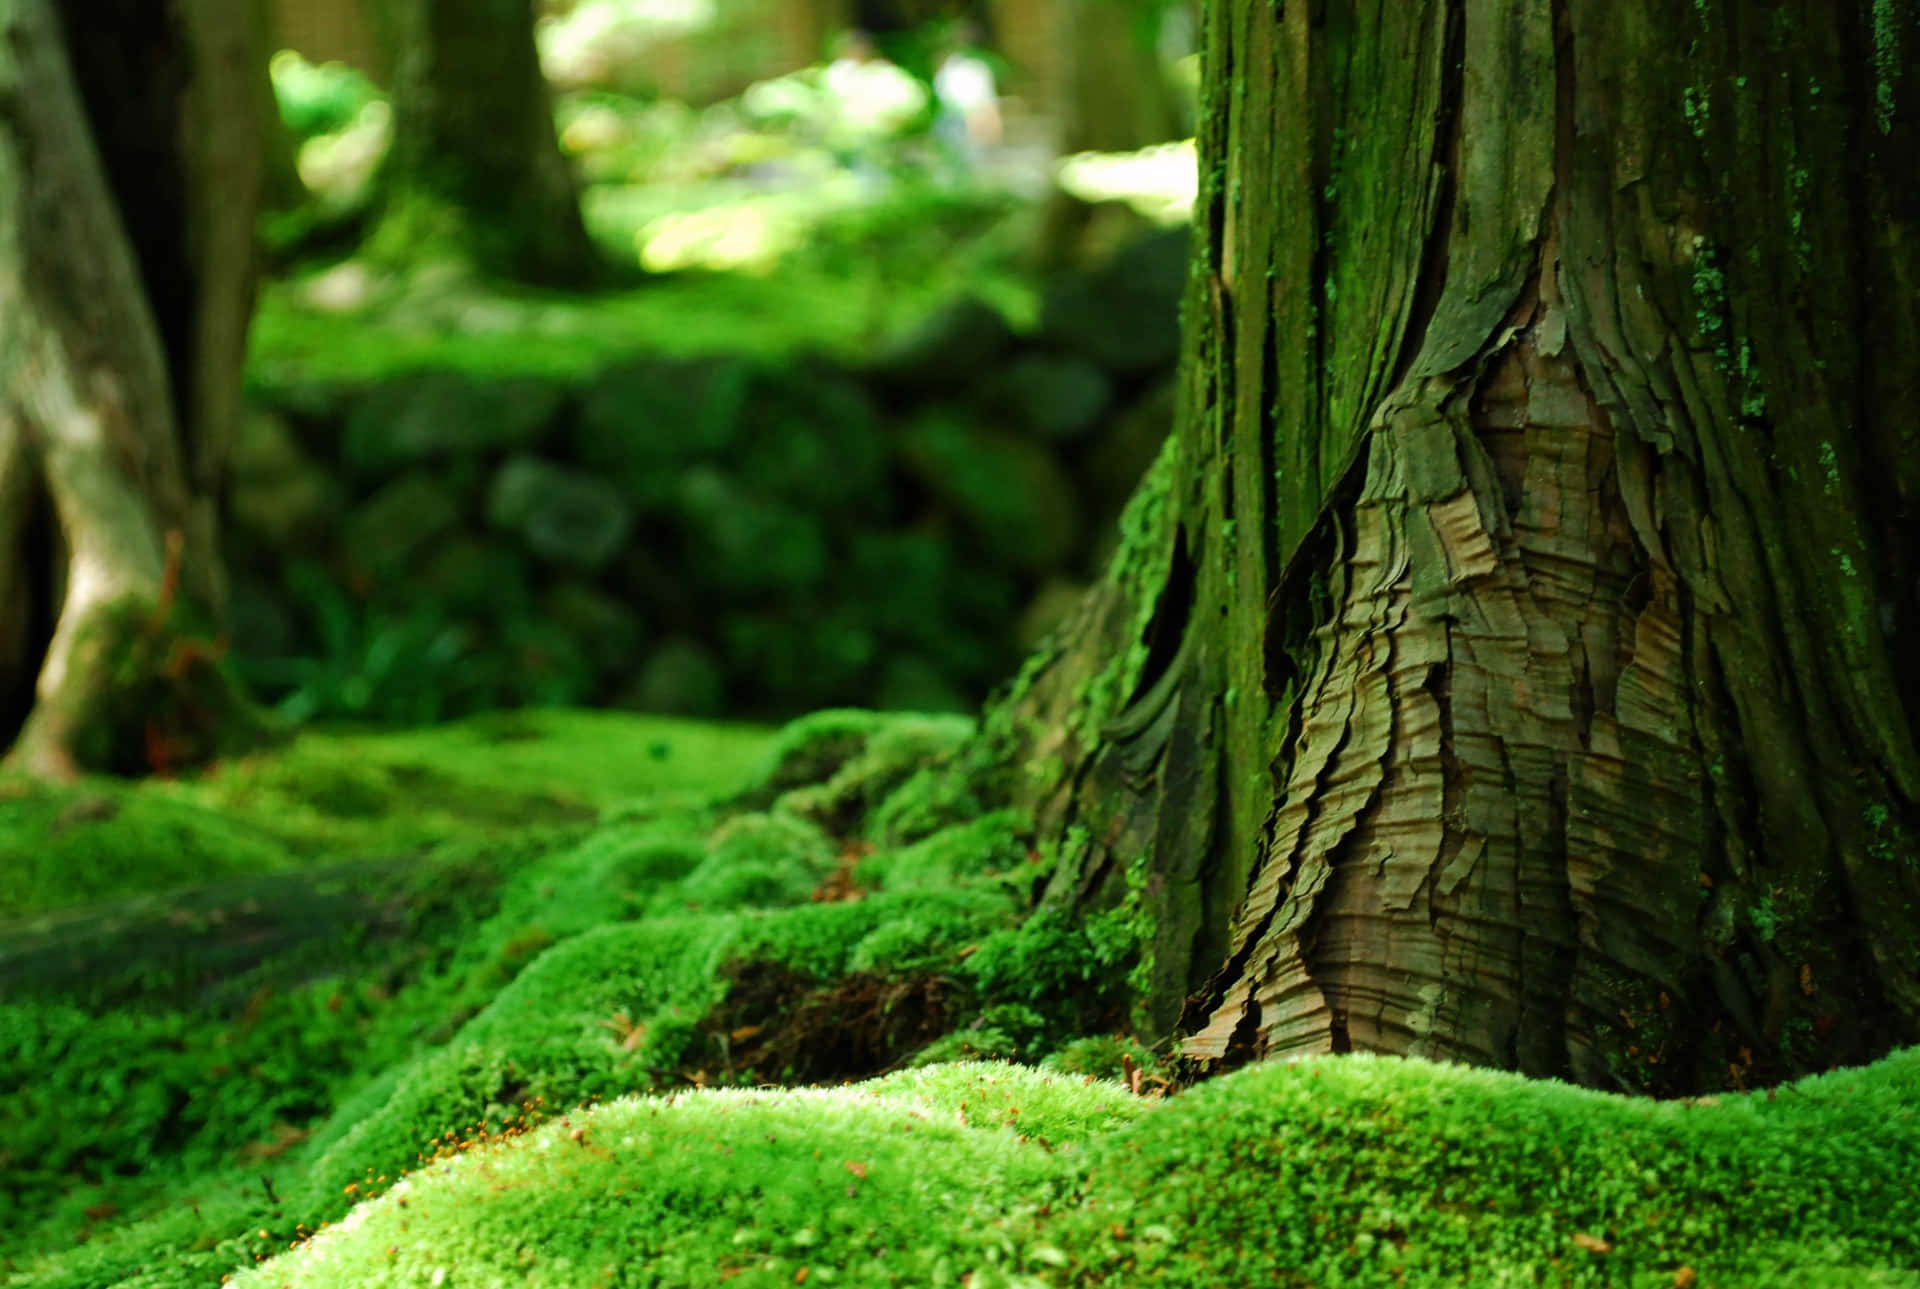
(432, 416)
(562, 516)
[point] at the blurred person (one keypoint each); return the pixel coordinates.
(967, 121)
(870, 99)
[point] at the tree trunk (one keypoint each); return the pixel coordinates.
(475, 172)
(1501, 664)
(128, 178)
(1114, 96)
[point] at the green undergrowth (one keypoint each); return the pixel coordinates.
(690, 1022)
(677, 907)
(1350, 1170)
(346, 793)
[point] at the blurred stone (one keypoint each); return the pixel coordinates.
(679, 679)
(607, 629)
(473, 576)
(1009, 492)
(1055, 397)
(642, 422)
(429, 416)
(746, 543)
(813, 437)
(947, 348)
(282, 502)
(385, 533)
(1124, 315)
(562, 515)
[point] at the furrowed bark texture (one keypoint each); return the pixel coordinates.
(127, 185)
(1509, 669)
(475, 166)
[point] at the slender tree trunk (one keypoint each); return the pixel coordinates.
(475, 172)
(129, 167)
(1504, 664)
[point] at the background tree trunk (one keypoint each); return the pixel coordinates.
(1501, 664)
(475, 171)
(129, 169)
(1115, 95)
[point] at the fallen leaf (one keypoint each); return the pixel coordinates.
(1684, 1278)
(1591, 1243)
(857, 1168)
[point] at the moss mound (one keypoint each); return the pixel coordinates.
(1357, 1170)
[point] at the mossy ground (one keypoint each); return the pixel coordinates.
(559, 909)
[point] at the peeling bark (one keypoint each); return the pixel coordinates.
(1547, 469)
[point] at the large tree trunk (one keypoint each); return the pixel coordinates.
(1503, 663)
(475, 173)
(129, 168)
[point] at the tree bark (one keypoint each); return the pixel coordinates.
(127, 187)
(475, 172)
(1501, 666)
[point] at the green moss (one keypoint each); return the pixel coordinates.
(889, 1170)
(1140, 565)
(991, 844)
(347, 793)
(1368, 1171)
(103, 839)
(1351, 1170)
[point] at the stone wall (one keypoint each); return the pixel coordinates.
(712, 535)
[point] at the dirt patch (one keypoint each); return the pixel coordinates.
(781, 1025)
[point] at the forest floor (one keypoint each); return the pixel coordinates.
(571, 998)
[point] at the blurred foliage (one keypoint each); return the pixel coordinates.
(318, 99)
(411, 668)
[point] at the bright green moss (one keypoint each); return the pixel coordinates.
(341, 793)
(1368, 1170)
(1354, 1170)
(101, 839)
(853, 1185)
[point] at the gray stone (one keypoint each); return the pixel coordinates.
(431, 416)
(1054, 397)
(385, 533)
(561, 515)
